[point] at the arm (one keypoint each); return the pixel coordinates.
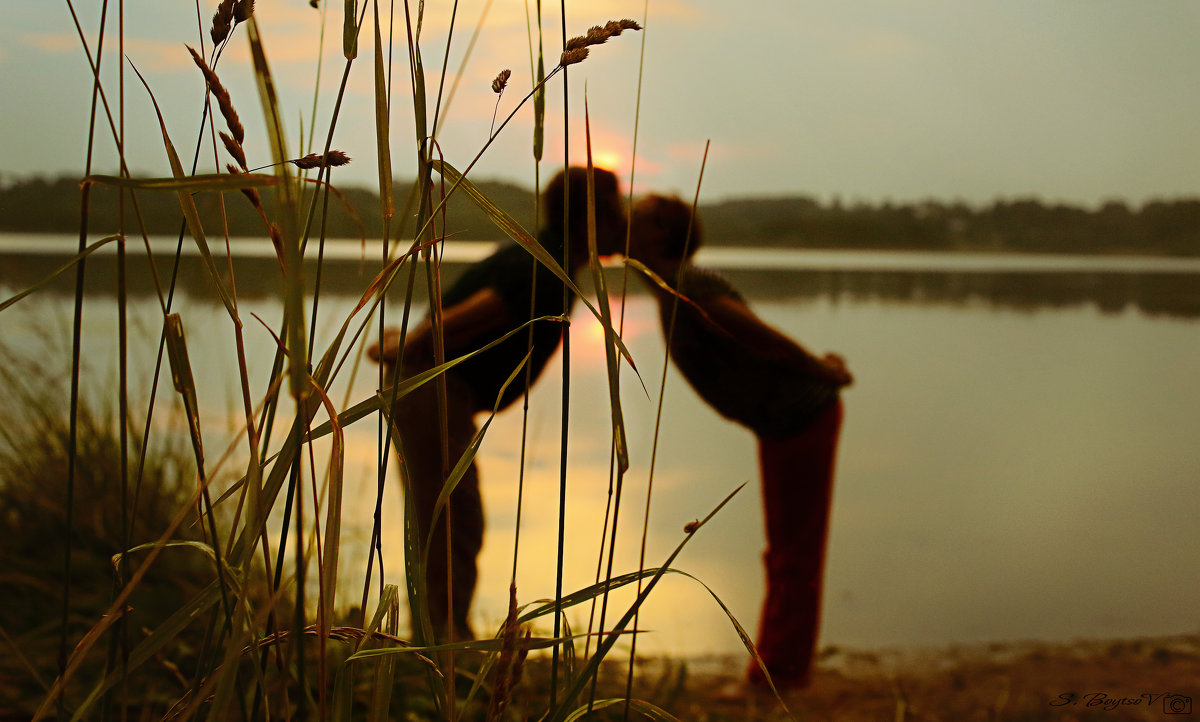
(736, 319)
(470, 323)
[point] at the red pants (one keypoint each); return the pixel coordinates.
(797, 487)
(418, 420)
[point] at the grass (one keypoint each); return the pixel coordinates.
(33, 516)
(150, 572)
(223, 598)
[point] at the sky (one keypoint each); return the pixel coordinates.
(1077, 101)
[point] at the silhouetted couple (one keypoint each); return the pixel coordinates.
(742, 367)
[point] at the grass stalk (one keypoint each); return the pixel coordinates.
(76, 334)
(232, 674)
(566, 377)
(658, 412)
(612, 366)
(119, 645)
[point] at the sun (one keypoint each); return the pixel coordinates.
(607, 159)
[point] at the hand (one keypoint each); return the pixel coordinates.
(387, 348)
(835, 365)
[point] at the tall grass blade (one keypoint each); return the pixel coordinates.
(56, 697)
(181, 374)
(203, 183)
(478, 645)
(294, 327)
(333, 518)
(350, 30)
(189, 208)
(378, 401)
(539, 98)
(649, 710)
(381, 698)
(154, 643)
(342, 707)
(610, 336)
(670, 335)
(420, 104)
(468, 457)
(201, 547)
(383, 148)
(389, 602)
(564, 436)
(462, 65)
(185, 384)
(61, 270)
(284, 458)
(414, 576)
(513, 230)
(592, 667)
(165, 633)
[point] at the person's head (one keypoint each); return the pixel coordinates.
(610, 210)
(659, 228)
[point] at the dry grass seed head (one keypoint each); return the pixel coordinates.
(597, 35)
(332, 159)
(243, 10)
(277, 241)
(224, 102)
(570, 57)
(615, 27)
(501, 81)
(222, 22)
(336, 158)
(576, 49)
(251, 193)
(235, 149)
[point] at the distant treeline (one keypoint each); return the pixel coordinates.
(1158, 227)
(1029, 225)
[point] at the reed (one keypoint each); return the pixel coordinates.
(261, 627)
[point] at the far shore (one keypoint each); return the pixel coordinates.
(1156, 285)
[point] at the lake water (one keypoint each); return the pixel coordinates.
(1009, 468)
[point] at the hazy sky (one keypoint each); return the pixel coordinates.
(1074, 100)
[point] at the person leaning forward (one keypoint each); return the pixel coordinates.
(754, 375)
(491, 298)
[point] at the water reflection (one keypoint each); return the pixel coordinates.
(1002, 474)
(1026, 282)
(1153, 293)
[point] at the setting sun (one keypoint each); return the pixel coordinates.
(607, 159)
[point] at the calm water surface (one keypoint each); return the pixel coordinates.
(1002, 474)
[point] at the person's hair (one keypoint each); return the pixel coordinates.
(672, 218)
(607, 188)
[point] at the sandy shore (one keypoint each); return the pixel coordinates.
(1111, 680)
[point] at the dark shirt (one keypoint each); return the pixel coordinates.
(772, 397)
(509, 272)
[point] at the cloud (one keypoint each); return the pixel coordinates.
(51, 42)
(880, 44)
(693, 151)
(145, 53)
(159, 55)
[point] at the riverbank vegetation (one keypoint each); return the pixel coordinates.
(1157, 227)
(256, 622)
(163, 565)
